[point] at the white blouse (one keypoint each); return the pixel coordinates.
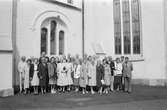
(118, 68)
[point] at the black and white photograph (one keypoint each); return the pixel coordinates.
(83, 54)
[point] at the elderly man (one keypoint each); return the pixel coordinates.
(127, 74)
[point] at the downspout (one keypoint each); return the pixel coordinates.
(14, 23)
(83, 28)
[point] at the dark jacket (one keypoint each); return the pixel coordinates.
(31, 70)
(112, 67)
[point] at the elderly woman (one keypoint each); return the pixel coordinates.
(107, 76)
(83, 76)
(52, 67)
(21, 70)
(43, 74)
(92, 75)
(62, 70)
(35, 78)
(27, 76)
(99, 76)
(77, 73)
(69, 73)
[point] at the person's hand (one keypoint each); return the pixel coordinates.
(30, 79)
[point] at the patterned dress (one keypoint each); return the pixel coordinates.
(83, 76)
(69, 77)
(107, 74)
(62, 74)
(35, 78)
(92, 75)
(52, 73)
(26, 77)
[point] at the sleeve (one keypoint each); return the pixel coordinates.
(120, 67)
(89, 72)
(131, 67)
(102, 71)
(19, 67)
(39, 70)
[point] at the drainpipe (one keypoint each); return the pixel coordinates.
(14, 23)
(83, 28)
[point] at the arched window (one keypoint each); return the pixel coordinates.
(44, 40)
(61, 42)
(125, 16)
(53, 37)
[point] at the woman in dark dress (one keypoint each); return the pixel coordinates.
(43, 74)
(99, 76)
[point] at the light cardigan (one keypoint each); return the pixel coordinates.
(118, 68)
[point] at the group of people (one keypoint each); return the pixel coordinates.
(67, 73)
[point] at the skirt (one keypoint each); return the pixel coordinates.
(107, 79)
(62, 80)
(52, 80)
(82, 82)
(76, 81)
(69, 78)
(117, 79)
(35, 79)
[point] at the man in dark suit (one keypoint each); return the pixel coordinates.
(127, 74)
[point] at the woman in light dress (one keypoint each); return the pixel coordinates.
(83, 76)
(92, 74)
(26, 76)
(69, 73)
(77, 73)
(35, 78)
(62, 70)
(107, 76)
(21, 69)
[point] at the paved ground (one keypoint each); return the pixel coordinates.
(142, 98)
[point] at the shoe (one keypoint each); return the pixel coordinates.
(83, 92)
(54, 92)
(92, 92)
(106, 92)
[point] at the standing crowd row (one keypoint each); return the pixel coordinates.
(61, 74)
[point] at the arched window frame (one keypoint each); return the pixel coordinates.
(44, 42)
(61, 42)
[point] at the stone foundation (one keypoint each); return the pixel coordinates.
(7, 92)
(150, 82)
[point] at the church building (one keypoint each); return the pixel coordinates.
(133, 28)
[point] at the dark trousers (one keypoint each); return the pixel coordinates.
(118, 82)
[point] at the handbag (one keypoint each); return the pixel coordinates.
(103, 82)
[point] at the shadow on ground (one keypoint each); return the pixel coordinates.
(73, 100)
